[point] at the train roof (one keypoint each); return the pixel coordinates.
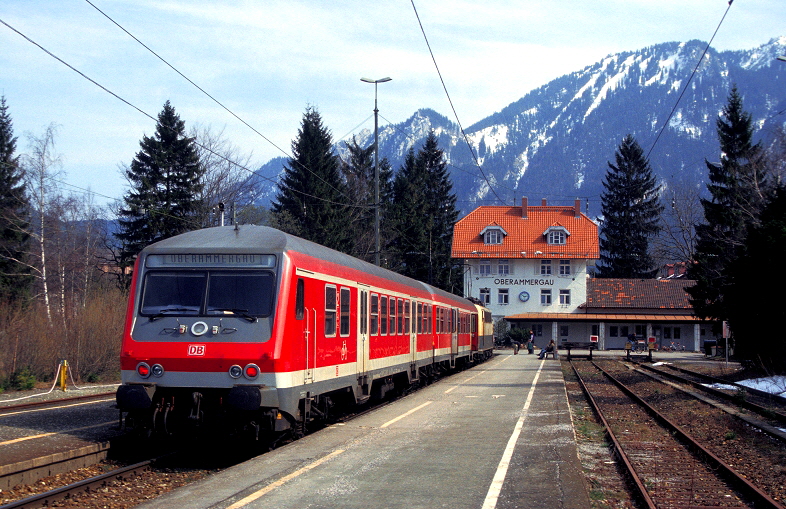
(252, 239)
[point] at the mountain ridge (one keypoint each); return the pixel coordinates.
(556, 140)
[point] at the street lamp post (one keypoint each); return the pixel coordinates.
(376, 167)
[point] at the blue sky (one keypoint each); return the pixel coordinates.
(267, 60)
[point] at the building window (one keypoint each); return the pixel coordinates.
(677, 334)
(545, 267)
(624, 331)
(563, 331)
(564, 297)
(564, 267)
(537, 329)
(485, 267)
(485, 296)
(641, 330)
(595, 330)
(503, 267)
(556, 237)
(545, 296)
(502, 296)
(492, 237)
(614, 331)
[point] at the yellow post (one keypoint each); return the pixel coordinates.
(63, 371)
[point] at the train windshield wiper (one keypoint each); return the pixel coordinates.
(163, 312)
(235, 311)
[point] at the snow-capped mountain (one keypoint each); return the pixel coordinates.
(556, 140)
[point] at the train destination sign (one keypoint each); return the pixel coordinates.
(211, 260)
(533, 282)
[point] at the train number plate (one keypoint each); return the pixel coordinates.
(196, 350)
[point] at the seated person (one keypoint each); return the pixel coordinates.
(550, 348)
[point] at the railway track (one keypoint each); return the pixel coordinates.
(766, 405)
(677, 451)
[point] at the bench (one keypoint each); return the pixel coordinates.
(579, 345)
(553, 354)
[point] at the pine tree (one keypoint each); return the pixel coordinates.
(165, 178)
(752, 319)
(14, 212)
(358, 172)
(736, 187)
(312, 198)
(423, 214)
(630, 209)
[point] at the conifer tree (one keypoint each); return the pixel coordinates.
(165, 178)
(358, 172)
(312, 198)
(630, 213)
(736, 187)
(14, 212)
(424, 213)
(751, 319)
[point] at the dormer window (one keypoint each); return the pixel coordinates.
(493, 234)
(556, 235)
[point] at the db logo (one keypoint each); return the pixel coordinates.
(196, 350)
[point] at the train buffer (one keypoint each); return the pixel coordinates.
(579, 345)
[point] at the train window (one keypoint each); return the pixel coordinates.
(418, 318)
(176, 293)
(392, 327)
(401, 329)
(344, 302)
(406, 317)
(300, 299)
(383, 315)
(374, 313)
(330, 311)
(429, 318)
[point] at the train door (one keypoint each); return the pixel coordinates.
(362, 346)
(410, 317)
(308, 317)
(453, 336)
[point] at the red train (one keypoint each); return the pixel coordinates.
(269, 331)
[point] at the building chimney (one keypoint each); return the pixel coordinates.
(543, 202)
(524, 207)
(577, 207)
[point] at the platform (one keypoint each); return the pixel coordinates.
(498, 435)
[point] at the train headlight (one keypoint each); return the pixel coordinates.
(143, 370)
(157, 370)
(235, 371)
(251, 371)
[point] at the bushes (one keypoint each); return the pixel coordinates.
(88, 336)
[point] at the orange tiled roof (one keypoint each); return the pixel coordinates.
(525, 237)
(638, 294)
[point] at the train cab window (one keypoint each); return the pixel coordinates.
(300, 299)
(383, 315)
(392, 316)
(374, 314)
(220, 292)
(330, 311)
(344, 302)
(173, 293)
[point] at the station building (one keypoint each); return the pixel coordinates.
(530, 266)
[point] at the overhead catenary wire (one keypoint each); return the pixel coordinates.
(687, 83)
(450, 101)
(128, 103)
(349, 200)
